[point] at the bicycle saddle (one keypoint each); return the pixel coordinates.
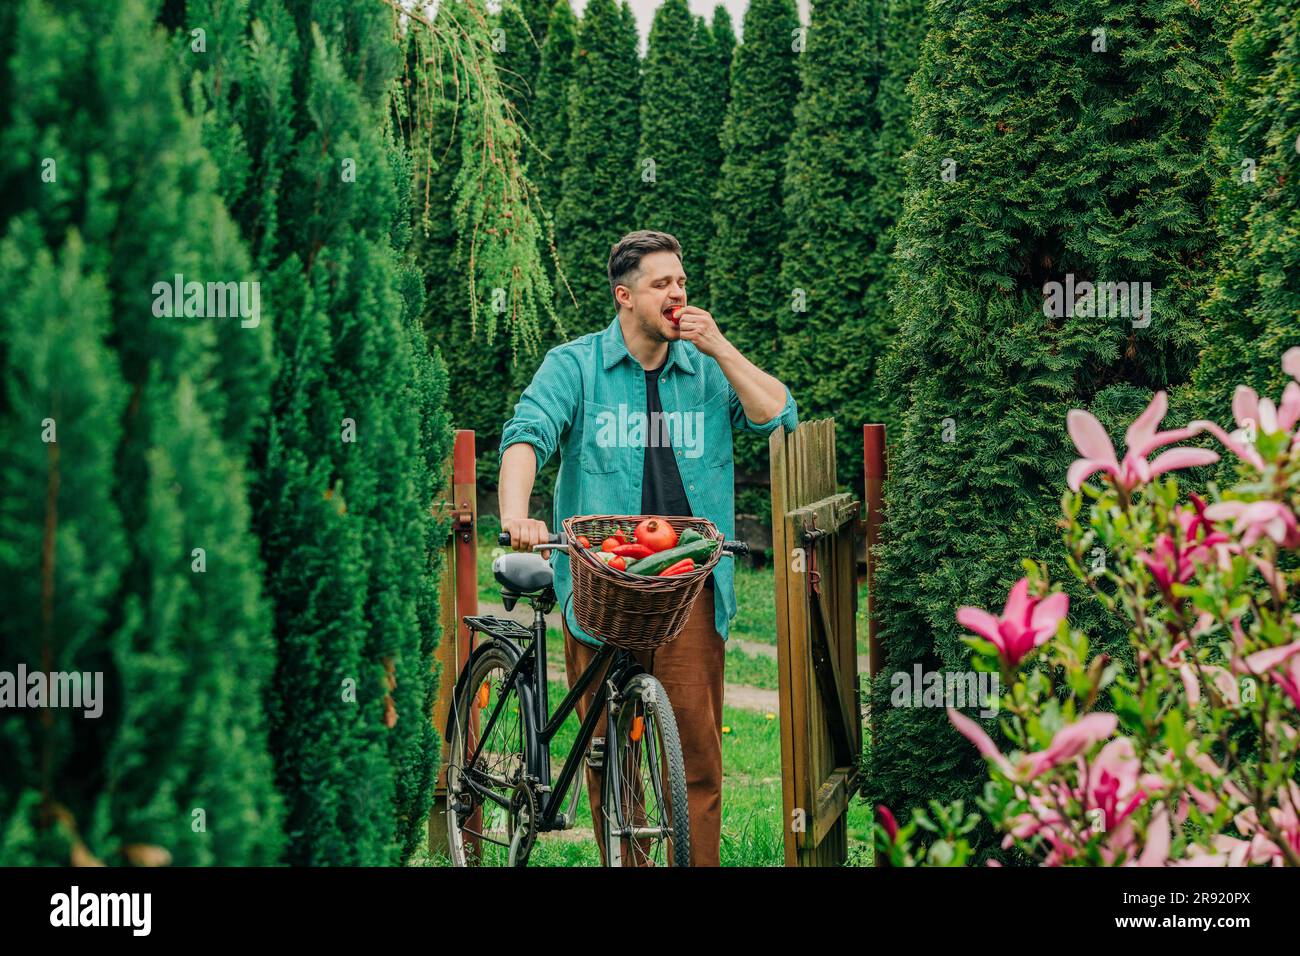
(524, 572)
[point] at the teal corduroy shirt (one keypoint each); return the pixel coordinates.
(587, 401)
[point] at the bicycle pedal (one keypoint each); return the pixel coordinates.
(596, 753)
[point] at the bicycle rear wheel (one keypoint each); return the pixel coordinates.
(643, 798)
(492, 822)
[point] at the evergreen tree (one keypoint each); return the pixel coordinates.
(1254, 308)
(523, 25)
(748, 218)
(724, 40)
(680, 121)
(345, 490)
(827, 340)
(904, 28)
(473, 353)
(126, 528)
(603, 166)
(1045, 148)
(550, 105)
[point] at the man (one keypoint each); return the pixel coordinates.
(642, 415)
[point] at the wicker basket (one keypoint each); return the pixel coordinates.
(633, 611)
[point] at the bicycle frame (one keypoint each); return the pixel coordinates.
(534, 695)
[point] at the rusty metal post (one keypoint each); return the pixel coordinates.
(458, 599)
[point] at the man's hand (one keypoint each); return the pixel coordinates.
(697, 327)
(526, 532)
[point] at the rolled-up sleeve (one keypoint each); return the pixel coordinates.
(545, 409)
(788, 416)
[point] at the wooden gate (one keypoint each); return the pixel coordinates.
(813, 549)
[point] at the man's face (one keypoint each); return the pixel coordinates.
(660, 286)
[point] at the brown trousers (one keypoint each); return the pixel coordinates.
(690, 667)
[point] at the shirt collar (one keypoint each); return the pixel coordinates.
(613, 350)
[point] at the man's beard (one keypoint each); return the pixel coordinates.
(651, 330)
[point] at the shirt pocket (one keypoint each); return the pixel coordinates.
(600, 452)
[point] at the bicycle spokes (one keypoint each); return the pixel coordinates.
(641, 813)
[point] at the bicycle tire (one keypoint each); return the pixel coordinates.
(644, 696)
(492, 658)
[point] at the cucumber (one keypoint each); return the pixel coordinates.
(700, 550)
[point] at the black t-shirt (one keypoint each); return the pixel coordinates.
(661, 483)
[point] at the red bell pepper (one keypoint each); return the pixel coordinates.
(681, 567)
(633, 551)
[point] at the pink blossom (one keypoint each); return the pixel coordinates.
(1174, 561)
(1068, 742)
(1288, 678)
(1221, 679)
(1026, 622)
(1255, 415)
(1142, 438)
(1291, 362)
(1257, 519)
(887, 821)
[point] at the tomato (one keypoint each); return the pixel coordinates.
(618, 563)
(612, 542)
(584, 541)
(675, 316)
(656, 534)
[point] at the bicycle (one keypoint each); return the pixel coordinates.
(499, 790)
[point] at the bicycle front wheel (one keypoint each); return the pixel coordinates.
(491, 813)
(643, 793)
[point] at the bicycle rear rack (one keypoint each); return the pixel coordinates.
(499, 627)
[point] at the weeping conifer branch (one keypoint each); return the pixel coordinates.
(497, 211)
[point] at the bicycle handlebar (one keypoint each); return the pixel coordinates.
(556, 542)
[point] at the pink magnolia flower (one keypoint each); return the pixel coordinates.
(1218, 676)
(1175, 561)
(1291, 362)
(1026, 622)
(1067, 743)
(1280, 664)
(1257, 519)
(1288, 678)
(1259, 415)
(1142, 438)
(887, 821)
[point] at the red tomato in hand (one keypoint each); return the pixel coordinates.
(656, 534)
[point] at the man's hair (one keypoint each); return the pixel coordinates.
(626, 254)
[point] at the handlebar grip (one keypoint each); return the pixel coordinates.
(735, 547)
(503, 539)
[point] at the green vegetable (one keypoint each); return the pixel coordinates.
(689, 535)
(701, 550)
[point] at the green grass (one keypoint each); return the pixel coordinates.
(754, 670)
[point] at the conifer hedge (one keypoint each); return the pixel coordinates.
(126, 546)
(1254, 308)
(1063, 158)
